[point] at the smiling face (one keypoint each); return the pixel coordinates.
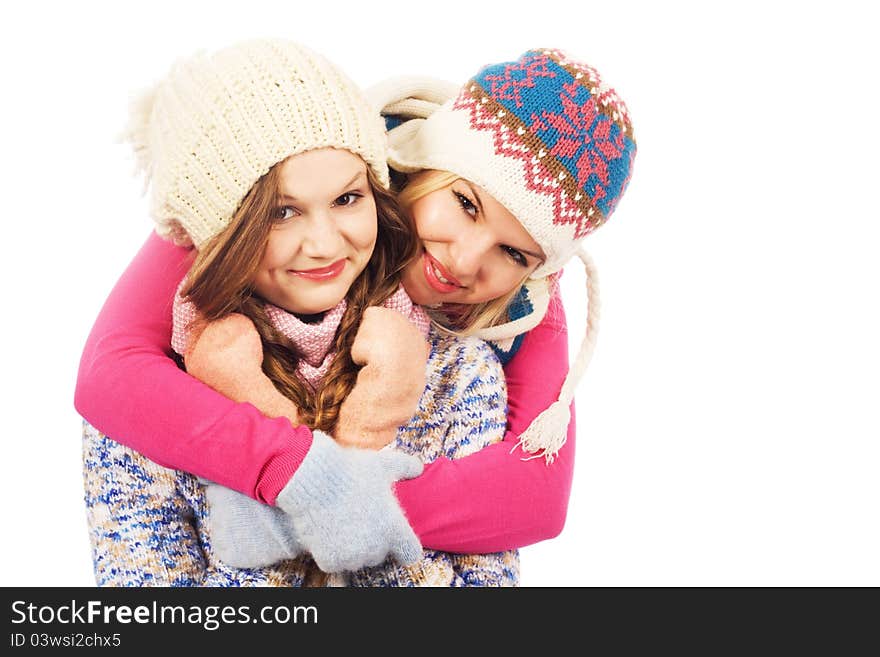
(323, 232)
(474, 249)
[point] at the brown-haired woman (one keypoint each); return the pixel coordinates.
(299, 249)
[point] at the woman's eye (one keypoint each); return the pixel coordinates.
(516, 256)
(347, 199)
(466, 204)
(284, 213)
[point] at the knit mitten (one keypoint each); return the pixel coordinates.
(393, 354)
(245, 533)
(343, 509)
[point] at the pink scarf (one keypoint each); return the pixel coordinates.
(313, 341)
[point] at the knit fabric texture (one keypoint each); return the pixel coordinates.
(463, 409)
(147, 523)
(312, 340)
(542, 134)
(219, 121)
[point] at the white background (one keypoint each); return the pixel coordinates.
(727, 426)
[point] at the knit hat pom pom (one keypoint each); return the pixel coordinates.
(137, 132)
(548, 432)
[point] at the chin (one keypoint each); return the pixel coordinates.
(313, 307)
(317, 308)
(417, 298)
(415, 291)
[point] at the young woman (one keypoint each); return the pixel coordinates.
(230, 140)
(553, 153)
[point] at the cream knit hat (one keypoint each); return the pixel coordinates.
(554, 145)
(218, 122)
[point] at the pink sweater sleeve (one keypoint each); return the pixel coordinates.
(129, 388)
(494, 500)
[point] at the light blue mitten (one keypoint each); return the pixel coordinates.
(245, 533)
(343, 508)
(339, 506)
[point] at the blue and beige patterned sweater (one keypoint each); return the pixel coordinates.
(147, 523)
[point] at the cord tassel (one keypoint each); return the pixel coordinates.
(548, 432)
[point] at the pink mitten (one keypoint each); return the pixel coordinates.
(394, 354)
(227, 355)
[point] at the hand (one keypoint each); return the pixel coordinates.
(389, 386)
(387, 340)
(233, 336)
(227, 354)
(343, 508)
(245, 533)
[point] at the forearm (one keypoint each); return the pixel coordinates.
(130, 388)
(501, 497)
(492, 500)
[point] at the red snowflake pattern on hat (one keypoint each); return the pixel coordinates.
(581, 127)
(507, 85)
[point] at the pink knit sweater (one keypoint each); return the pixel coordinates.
(130, 389)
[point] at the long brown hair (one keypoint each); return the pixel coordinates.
(220, 282)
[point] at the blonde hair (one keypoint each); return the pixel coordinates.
(456, 319)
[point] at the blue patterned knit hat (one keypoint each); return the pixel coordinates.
(542, 134)
(548, 139)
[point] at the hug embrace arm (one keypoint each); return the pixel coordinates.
(356, 502)
(130, 389)
(503, 497)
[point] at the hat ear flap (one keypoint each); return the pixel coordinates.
(404, 139)
(410, 97)
(405, 103)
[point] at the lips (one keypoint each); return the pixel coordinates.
(437, 276)
(321, 273)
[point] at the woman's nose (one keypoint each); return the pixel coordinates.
(323, 238)
(467, 255)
